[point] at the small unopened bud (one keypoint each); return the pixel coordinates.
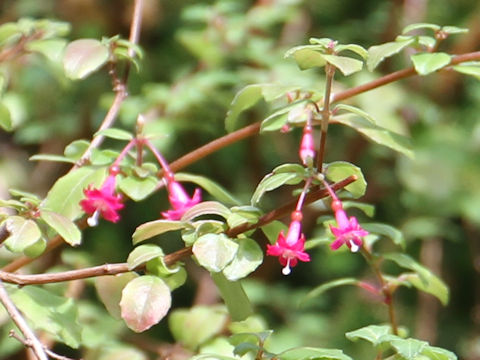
(307, 146)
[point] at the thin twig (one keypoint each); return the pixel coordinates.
(49, 352)
(120, 87)
(330, 73)
(30, 339)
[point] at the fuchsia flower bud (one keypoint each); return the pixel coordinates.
(348, 232)
(291, 248)
(102, 201)
(307, 146)
(180, 200)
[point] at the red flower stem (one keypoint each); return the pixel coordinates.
(163, 163)
(124, 152)
(301, 198)
(387, 292)
(330, 73)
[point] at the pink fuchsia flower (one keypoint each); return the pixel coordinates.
(102, 201)
(180, 200)
(307, 146)
(348, 232)
(291, 248)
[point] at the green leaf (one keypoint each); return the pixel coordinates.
(454, 30)
(409, 349)
(469, 68)
(309, 353)
(76, 149)
(8, 31)
(368, 209)
(143, 253)
(272, 230)
(377, 133)
(214, 251)
(137, 188)
(156, 227)
(420, 26)
(386, 230)
(114, 133)
(243, 100)
(377, 53)
(340, 170)
(319, 290)
(436, 353)
(23, 233)
(243, 214)
(248, 257)
(65, 195)
(371, 333)
(52, 49)
(359, 50)
(206, 208)
(290, 174)
(210, 186)
(426, 63)
(423, 279)
(145, 301)
(51, 157)
(307, 56)
(84, 56)
(195, 326)
(433, 285)
(109, 289)
(345, 64)
(234, 296)
(65, 227)
(5, 118)
(47, 311)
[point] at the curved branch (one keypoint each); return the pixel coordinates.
(170, 259)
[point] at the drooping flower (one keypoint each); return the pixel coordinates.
(348, 232)
(180, 200)
(291, 248)
(307, 146)
(102, 202)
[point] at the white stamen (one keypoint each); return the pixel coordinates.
(286, 270)
(93, 220)
(354, 247)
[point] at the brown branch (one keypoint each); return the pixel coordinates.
(30, 338)
(120, 87)
(170, 259)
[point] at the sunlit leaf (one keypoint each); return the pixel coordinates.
(377, 53)
(248, 257)
(377, 133)
(409, 349)
(345, 64)
(143, 253)
(65, 195)
(193, 327)
(419, 26)
(340, 170)
(84, 56)
(109, 289)
(5, 118)
(214, 251)
(310, 353)
(156, 227)
(115, 133)
(137, 188)
(386, 230)
(23, 233)
(426, 63)
(307, 56)
(371, 333)
(145, 301)
(52, 49)
(47, 311)
(65, 227)
(234, 296)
